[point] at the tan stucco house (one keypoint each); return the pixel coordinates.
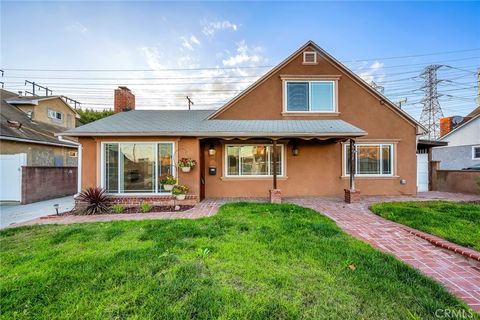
(28, 126)
(302, 118)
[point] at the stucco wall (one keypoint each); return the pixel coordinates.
(40, 112)
(460, 181)
(38, 154)
(454, 158)
(316, 171)
(184, 147)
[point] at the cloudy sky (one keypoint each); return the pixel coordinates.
(211, 50)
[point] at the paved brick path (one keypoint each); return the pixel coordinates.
(460, 275)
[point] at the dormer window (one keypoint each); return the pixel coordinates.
(52, 114)
(309, 96)
(310, 57)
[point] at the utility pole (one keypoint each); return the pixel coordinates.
(399, 103)
(190, 103)
(35, 85)
(377, 87)
(432, 111)
(478, 88)
(69, 100)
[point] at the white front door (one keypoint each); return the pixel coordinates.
(11, 176)
(422, 172)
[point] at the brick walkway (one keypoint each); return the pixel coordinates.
(459, 274)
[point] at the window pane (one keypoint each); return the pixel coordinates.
(368, 159)
(111, 168)
(322, 96)
(477, 152)
(165, 161)
(233, 160)
(253, 160)
(387, 159)
(137, 167)
(297, 96)
(279, 159)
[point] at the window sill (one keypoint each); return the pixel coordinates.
(309, 114)
(371, 177)
(268, 178)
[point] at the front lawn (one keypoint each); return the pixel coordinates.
(250, 261)
(453, 221)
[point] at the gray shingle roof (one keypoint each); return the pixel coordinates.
(37, 132)
(195, 123)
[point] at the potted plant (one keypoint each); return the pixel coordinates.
(180, 191)
(186, 164)
(168, 181)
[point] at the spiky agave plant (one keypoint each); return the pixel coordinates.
(96, 200)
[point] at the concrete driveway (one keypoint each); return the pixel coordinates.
(11, 214)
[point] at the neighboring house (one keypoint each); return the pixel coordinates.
(463, 137)
(310, 106)
(29, 125)
(34, 163)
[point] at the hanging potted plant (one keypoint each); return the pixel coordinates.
(186, 164)
(168, 181)
(180, 191)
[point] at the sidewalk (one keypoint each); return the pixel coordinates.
(13, 214)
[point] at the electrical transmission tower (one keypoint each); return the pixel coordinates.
(431, 112)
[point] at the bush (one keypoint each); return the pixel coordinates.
(96, 201)
(118, 208)
(180, 189)
(168, 179)
(145, 207)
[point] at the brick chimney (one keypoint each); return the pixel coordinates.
(447, 124)
(124, 100)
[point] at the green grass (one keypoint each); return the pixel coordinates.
(453, 221)
(250, 261)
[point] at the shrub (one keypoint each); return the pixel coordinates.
(118, 208)
(168, 179)
(145, 207)
(96, 201)
(180, 189)
(187, 162)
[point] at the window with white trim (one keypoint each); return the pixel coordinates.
(309, 96)
(136, 167)
(476, 152)
(253, 160)
(371, 159)
(52, 114)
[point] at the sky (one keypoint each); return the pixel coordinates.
(210, 51)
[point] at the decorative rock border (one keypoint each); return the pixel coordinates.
(439, 242)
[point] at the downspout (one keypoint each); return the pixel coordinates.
(79, 162)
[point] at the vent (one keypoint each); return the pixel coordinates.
(310, 57)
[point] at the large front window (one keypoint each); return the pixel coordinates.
(310, 96)
(371, 159)
(135, 167)
(252, 160)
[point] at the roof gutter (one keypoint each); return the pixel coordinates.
(214, 134)
(39, 142)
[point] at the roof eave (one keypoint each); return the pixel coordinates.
(214, 134)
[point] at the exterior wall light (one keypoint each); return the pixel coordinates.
(295, 150)
(211, 150)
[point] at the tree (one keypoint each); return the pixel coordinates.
(90, 115)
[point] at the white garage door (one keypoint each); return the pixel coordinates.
(11, 176)
(422, 172)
